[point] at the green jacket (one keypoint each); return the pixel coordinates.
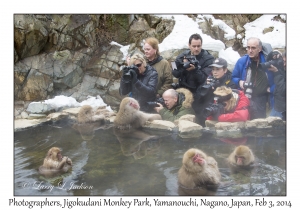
(183, 106)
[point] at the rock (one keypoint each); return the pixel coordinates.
(229, 126)
(36, 116)
(275, 122)
(24, 115)
(72, 111)
(188, 129)
(161, 125)
(57, 116)
(210, 123)
(267, 30)
(39, 108)
(257, 123)
(36, 86)
(25, 123)
(188, 117)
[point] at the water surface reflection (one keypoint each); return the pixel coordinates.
(110, 162)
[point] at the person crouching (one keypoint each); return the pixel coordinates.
(230, 105)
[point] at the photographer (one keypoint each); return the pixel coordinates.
(141, 80)
(229, 106)
(193, 65)
(220, 76)
(254, 78)
(161, 65)
(177, 103)
(279, 70)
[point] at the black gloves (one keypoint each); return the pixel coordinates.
(133, 76)
(218, 111)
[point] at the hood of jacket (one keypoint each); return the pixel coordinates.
(185, 97)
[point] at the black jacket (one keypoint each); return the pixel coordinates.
(206, 96)
(144, 90)
(280, 90)
(193, 79)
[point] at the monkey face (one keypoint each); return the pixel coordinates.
(198, 159)
(134, 104)
(54, 153)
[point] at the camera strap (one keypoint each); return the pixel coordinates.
(248, 77)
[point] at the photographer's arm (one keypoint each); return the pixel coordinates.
(179, 64)
(236, 75)
(125, 87)
(236, 116)
(150, 87)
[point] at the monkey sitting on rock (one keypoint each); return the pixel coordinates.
(55, 164)
(130, 116)
(87, 114)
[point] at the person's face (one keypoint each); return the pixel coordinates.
(149, 52)
(195, 46)
(253, 49)
(218, 72)
(140, 66)
(169, 101)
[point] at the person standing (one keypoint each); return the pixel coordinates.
(279, 71)
(221, 76)
(162, 66)
(252, 77)
(190, 76)
(141, 80)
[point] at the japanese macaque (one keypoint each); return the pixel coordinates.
(242, 156)
(87, 114)
(198, 170)
(130, 116)
(55, 163)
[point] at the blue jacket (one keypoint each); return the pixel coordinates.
(240, 72)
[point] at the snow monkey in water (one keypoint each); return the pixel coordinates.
(54, 163)
(130, 116)
(242, 156)
(198, 170)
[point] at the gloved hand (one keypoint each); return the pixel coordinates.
(220, 110)
(125, 70)
(134, 76)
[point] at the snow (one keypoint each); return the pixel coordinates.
(185, 26)
(178, 39)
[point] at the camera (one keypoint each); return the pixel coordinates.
(248, 89)
(213, 82)
(175, 85)
(153, 104)
(191, 60)
(274, 58)
(127, 72)
(211, 110)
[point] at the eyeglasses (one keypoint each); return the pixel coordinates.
(138, 65)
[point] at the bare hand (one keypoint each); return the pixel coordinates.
(241, 83)
(192, 67)
(273, 68)
(160, 107)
